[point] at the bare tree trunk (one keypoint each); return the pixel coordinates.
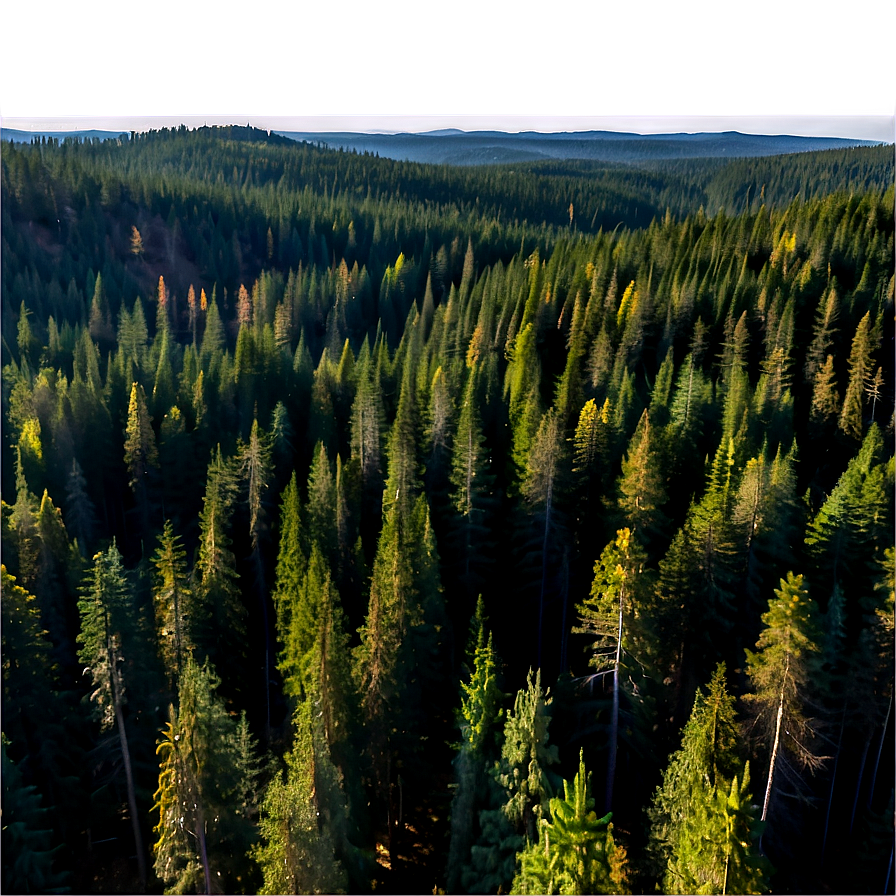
(544, 571)
(775, 745)
(614, 722)
(855, 801)
(827, 816)
(259, 581)
(203, 847)
(564, 632)
(880, 747)
(129, 778)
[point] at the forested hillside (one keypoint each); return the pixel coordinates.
(378, 526)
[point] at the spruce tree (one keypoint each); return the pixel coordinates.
(140, 453)
(174, 605)
(851, 416)
(108, 641)
(297, 849)
(220, 630)
(609, 617)
(575, 852)
(203, 832)
(702, 823)
(781, 673)
(480, 711)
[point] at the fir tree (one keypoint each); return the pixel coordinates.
(107, 636)
(203, 833)
(608, 616)
(297, 852)
(851, 416)
(173, 604)
(702, 822)
(30, 861)
(140, 452)
(781, 671)
(575, 849)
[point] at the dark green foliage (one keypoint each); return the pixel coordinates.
(296, 854)
(702, 820)
(204, 830)
(528, 358)
(575, 852)
(29, 859)
(479, 715)
(781, 673)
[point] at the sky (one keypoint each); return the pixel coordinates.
(760, 66)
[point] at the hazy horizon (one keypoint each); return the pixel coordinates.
(639, 68)
(878, 128)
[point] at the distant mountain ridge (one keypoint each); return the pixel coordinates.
(455, 147)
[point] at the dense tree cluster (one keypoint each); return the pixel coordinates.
(372, 525)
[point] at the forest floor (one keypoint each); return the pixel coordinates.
(419, 847)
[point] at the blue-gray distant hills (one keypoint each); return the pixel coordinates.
(26, 136)
(496, 147)
(454, 147)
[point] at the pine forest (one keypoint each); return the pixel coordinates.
(375, 526)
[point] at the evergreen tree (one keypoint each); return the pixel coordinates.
(480, 711)
(781, 671)
(140, 452)
(220, 631)
(825, 407)
(609, 616)
(291, 560)
(575, 851)
(297, 850)
(471, 483)
(702, 822)
(641, 490)
(541, 488)
(203, 834)
(523, 771)
(107, 637)
(30, 861)
(851, 416)
(173, 597)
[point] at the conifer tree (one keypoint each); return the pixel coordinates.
(825, 407)
(254, 460)
(480, 711)
(524, 771)
(203, 832)
(304, 618)
(297, 850)
(402, 480)
(108, 638)
(140, 452)
(541, 488)
(575, 851)
(471, 481)
(173, 604)
(213, 338)
(851, 416)
(397, 661)
(291, 559)
(641, 490)
(220, 632)
(321, 507)
(608, 616)
(367, 422)
(30, 861)
(702, 822)
(781, 671)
